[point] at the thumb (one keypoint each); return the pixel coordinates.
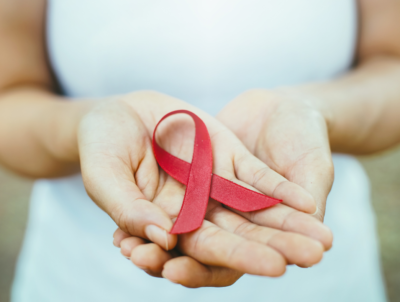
(315, 173)
(111, 184)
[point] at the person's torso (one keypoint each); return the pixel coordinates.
(205, 52)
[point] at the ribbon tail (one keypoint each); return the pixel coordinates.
(238, 197)
(222, 190)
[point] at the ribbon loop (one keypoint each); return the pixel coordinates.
(201, 184)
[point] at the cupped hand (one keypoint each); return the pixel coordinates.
(286, 131)
(122, 177)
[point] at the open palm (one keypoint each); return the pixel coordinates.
(290, 136)
(227, 244)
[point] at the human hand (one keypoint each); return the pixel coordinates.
(287, 132)
(223, 231)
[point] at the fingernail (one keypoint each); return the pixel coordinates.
(156, 234)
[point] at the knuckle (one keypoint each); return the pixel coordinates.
(244, 229)
(120, 217)
(234, 256)
(259, 175)
(204, 234)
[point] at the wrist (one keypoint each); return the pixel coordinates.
(312, 99)
(42, 126)
(67, 115)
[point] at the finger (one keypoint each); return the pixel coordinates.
(150, 258)
(256, 173)
(181, 270)
(315, 173)
(216, 247)
(114, 189)
(153, 260)
(300, 152)
(297, 249)
(111, 156)
(146, 175)
(253, 172)
(191, 273)
(170, 195)
(287, 219)
(128, 244)
(250, 172)
(118, 236)
(226, 146)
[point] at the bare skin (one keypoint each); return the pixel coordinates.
(294, 129)
(63, 136)
(109, 141)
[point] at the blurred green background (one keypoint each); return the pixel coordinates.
(383, 170)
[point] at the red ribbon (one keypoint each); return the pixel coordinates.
(201, 184)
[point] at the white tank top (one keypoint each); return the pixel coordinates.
(204, 52)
